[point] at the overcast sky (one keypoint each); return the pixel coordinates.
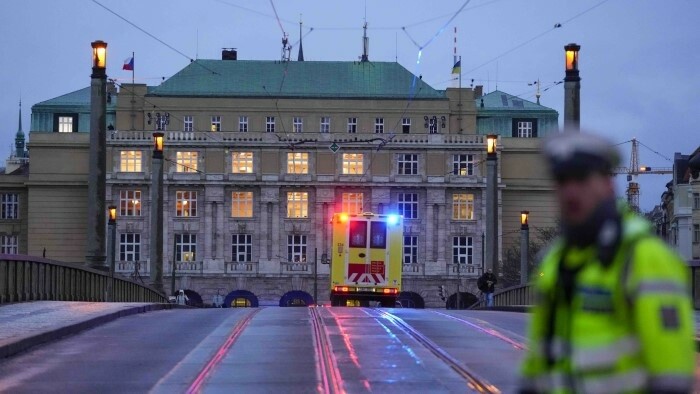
(638, 61)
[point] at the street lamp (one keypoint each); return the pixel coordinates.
(572, 89)
(97, 179)
(491, 237)
(524, 245)
(112, 224)
(156, 250)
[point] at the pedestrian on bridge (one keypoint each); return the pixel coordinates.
(487, 284)
(614, 312)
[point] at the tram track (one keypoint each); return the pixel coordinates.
(474, 381)
(492, 331)
(330, 380)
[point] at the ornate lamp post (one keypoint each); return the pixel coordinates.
(95, 245)
(156, 250)
(524, 245)
(572, 89)
(112, 224)
(491, 237)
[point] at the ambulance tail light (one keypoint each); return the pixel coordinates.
(342, 289)
(391, 291)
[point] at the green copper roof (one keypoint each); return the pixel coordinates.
(498, 100)
(77, 98)
(307, 79)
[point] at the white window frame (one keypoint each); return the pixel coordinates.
(242, 204)
(379, 125)
(325, 126)
(410, 249)
(525, 129)
(404, 123)
(186, 203)
(186, 161)
(9, 206)
(296, 248)
(270, 124)
(407, 164)
(298, 163)
(130, 161)
(130, 203)
(353, 163)
(130, 247)
(353, 203)
(407, 205)
(185, 247)
(297, 205)
(188, 123)
(65, 124)
(241, 248)
(352, 125)
(216, 123)
(9, 244)
(243, 124)
(241, 162)
(462, 250)
(298, 124)
(462, 164)
(462, 206)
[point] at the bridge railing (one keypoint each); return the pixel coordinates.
(520, 296)
(29, 278)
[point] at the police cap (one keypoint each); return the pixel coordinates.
(574, 155)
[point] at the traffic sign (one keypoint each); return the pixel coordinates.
(334, 147)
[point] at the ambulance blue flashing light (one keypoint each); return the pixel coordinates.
(392, 219)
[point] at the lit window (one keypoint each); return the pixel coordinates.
(270, 124)
(433, 124)
(406, 125)
(462, 207)
(298, 124)
(462, 250)
(188, 123)
(353, 163)
(524, 129)
(185, 247)
(296, 248)
(242, 248)
(408, 205)
(8, 244)
(9, 206)
(130, 203)
(185, 203)
(242, 162)
(325, 124)
(130, 161)
(410, 249)
(186, 161)
(243, 124)
(216, 123)
(297, 205)
(379, 125)
(352, 125)
(353, 203)
(242, 204)
(297, 163)
(408, 164)
(463, 165)
(129, 247)
(65, 124)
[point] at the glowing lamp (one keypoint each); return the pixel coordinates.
(571, 51)
(158, 142)
(343, 217)
(491, 144)
(112, 210)
(524, 215)
(392, 219)
(99, 55)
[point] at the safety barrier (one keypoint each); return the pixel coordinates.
(29, 278)
(514, 296)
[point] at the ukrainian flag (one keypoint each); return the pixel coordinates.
(457, 69)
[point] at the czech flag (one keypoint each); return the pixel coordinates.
(457, 67)
(128, 64)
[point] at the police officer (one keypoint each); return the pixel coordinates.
(614, 313)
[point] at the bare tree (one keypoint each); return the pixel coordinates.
(544, 236)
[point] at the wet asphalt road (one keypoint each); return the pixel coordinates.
(276, 351)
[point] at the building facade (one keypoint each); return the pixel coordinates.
(260, 154)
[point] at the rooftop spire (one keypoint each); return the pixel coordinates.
(19, 130)
(300, 57)
(365, 44)
(19, 137)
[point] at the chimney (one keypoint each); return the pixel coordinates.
(478, 91)
(229, 54)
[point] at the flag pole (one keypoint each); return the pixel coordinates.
(133, 61)
(133, 99)
(460, 98)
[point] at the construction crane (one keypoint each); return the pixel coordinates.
(635, 169)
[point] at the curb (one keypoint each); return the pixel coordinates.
(23, 344)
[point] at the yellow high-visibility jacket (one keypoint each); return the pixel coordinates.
(627, 327)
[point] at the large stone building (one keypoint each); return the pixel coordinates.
(258, 156)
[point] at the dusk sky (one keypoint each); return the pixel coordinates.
(638, 61)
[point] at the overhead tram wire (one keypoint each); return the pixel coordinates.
(154, 37)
